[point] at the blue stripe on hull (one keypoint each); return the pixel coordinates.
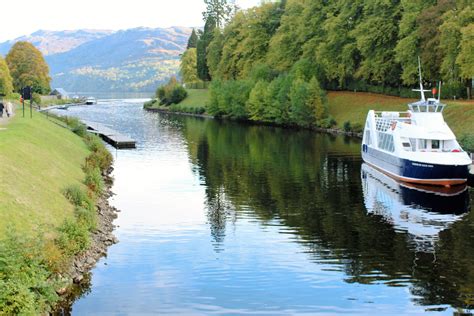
(411, 169)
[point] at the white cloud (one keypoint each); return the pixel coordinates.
(32, 15)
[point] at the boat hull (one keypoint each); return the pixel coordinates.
(415, 172)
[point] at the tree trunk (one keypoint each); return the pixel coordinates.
(469, 88)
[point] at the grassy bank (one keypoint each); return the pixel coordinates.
(39, 159)
(353, 107)
(50, 182)
(194, 103)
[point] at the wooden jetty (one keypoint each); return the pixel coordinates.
(112, 137)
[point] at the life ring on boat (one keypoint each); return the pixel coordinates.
(455, 151)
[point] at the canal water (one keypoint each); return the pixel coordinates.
(222, 218)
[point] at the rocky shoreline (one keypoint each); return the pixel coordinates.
(77, 277)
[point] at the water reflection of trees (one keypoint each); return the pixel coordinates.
(312, 184)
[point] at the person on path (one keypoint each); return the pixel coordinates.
(9, 108)
(1, 108)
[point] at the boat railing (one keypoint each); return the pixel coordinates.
(386, 120)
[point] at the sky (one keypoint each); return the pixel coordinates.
(57, 15)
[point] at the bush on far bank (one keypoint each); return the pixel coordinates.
(171, 93)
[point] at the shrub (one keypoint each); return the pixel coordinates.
(73, 237)
(467, 142)
(87, 218)
(357, 128)
(150, 103)
(347, 126)
(328, 122)
(171, 93)
(93, 142)
(77, 127)
(78, 197)
(26, 285)
(94, 181)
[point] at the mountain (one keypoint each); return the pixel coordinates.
(130, 60)
(54, 42)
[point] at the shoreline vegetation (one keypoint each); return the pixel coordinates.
(347, 109)
(55, 218)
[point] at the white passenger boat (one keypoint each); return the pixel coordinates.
(415, 146)
(91, 100)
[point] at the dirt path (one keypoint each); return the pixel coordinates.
(4, 120)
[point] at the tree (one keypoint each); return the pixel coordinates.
(217, 10)
(376, 37)
(214, 53)
(316, 101)
(204, 40)
(188, 68)
(246, 40)
(465, 59)
(257, 101)
(28, 68)
(408, 45)
(192, 41)
(338, 54)
(286, 46)
(6, 85)
(429, 22)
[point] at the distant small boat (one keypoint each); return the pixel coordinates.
(91, 100)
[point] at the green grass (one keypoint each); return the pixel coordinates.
(196, 98)
(38, 160)
(353, 107)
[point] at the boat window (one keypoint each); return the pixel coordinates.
(367, 138)
(422, 108)
(407, 146)
(435, 144)
(386, 142)
(432, 108)
(422, 144)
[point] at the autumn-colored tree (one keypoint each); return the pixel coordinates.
(6, 85)
(28, 68)
(188, 70)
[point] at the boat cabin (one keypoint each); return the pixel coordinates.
(429, 145)
(431, 105)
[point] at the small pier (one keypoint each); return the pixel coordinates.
(112, 137)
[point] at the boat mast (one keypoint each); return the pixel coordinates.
(422, 91)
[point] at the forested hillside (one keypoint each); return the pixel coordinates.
(268, 62)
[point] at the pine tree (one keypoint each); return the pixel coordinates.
(218, 10)
(192, 41)
(202, 44)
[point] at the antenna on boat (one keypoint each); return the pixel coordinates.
(422, 91)
(439, 92)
